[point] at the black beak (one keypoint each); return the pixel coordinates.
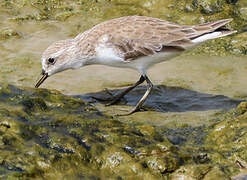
(42, 79)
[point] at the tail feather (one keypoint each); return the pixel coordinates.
(211, 30)
(211, 26)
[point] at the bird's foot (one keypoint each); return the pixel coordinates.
(112, 99)
(109, 98)
(102, 99)
(109, 92)
(128, 112)
(132, 111)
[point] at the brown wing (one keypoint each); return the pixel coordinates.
(131, 49)
(136, 36)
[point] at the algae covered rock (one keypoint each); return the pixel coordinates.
(45, 134)
(230, 139)
(8, 33)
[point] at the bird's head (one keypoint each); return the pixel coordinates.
(58, 57)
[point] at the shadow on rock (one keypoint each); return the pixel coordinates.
(168, 99)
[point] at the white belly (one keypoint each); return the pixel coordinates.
(143, 63)
(107, 56)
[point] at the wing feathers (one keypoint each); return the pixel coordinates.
(136, 36)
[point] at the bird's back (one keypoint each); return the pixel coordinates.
(135, 36)
(134, 28)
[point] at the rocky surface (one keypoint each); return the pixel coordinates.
(45, 134)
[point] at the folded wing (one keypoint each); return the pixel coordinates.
(146, 36)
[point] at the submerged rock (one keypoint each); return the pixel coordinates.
(8, 33)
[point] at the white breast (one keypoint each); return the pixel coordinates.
(106, 55)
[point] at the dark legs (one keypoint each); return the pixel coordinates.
(142, 100)
(122, 94)
(144, 97)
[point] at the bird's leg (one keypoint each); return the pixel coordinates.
(122, 94)
(105, 99)
(143, 99)
(115, 99)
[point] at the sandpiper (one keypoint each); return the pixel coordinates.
(136, 42)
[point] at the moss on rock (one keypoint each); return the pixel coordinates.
(8, 33)
(44, 134)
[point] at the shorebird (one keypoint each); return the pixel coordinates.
(136, 42)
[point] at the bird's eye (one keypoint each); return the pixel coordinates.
(51, 60)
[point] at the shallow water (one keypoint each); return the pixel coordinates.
(194, 78)
(190, 84)
(168, 99)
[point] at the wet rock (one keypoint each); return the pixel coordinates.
(30, 104)
(43, 132)
(243, 13)
(211, 7)
(239, 46)
(63, 16)
(214, 173)
(201, 158)
(51, 131)
(229, 135)
(161, 164)
(130, 150)
(232, 1)
(176, 140)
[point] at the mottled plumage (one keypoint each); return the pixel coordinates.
(135, 42)
(135, 36)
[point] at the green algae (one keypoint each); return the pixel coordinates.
(68, 139)
(44, 134)
(230, 136)
(8, 33)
